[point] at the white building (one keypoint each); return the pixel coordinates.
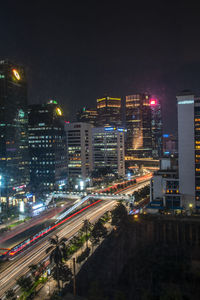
(108, 149)
(79, 150)
(164, 187)
(186, 145)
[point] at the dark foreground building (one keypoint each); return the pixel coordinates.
(47, 143)
(14, 160)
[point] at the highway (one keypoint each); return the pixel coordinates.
(12, 270)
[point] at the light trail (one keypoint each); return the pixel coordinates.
(36, 254)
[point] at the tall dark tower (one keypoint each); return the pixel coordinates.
(156, 128)
(138, 124)
(47, 144)
(14, 160)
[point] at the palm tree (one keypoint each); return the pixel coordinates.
(86, 228)
(58, 252)
(98, 232)
(119, 216)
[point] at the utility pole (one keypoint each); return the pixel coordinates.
(74, 276)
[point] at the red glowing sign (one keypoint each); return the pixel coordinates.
(153, 102)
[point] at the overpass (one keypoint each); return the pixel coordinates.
(131, 161)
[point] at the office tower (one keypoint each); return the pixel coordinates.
(109, 111)
(170, 144)
(189, 147)
(156, 128)
(79, 150)
(47, 143)
(87, 115)
(108, 149)
(14, 160)
(138, 124)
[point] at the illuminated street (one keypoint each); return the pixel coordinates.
(12, 270)
(19, 266)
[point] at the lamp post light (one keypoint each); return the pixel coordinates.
(191, 207)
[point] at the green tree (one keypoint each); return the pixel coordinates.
(119, 216)
(98, 232)
(57, 253)
(86, 228)
(65, 273)
(10, 295)
(25, 283)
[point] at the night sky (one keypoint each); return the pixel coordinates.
(76, 52)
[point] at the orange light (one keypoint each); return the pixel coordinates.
(59, 111)
(16, 74)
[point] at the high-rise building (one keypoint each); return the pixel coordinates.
(108, 149)
(79, 150)
(138, 124)
(14, 160)
(109, 111)
(87, 115)
(47, 144)
(189, 147)
(156, 128)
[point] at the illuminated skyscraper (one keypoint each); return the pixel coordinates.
(108, 149)
(109, 111)
(138, 124)
(47, 143)
(189, 148)
(14, 160)
(156, 128)
(79, 150)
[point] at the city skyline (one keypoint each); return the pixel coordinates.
(76, 55)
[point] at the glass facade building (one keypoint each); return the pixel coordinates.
(138, 124)
(47, 144)
(156, 128)
(14, 158)
(79, 150)
(144, 126)
(108, 149)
